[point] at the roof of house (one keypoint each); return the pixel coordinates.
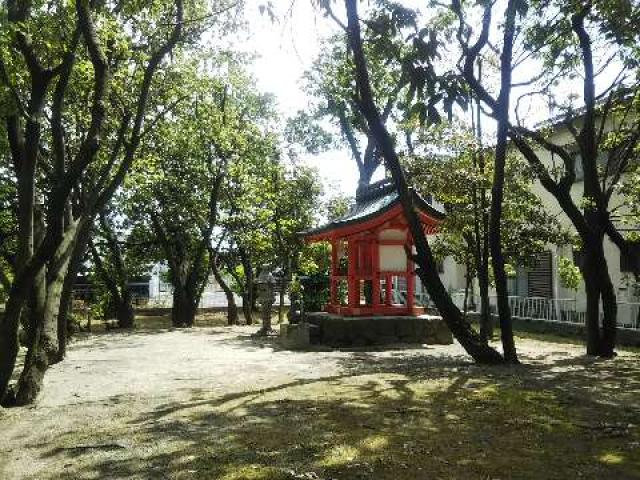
(374, 201)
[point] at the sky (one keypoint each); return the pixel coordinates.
(285, 50)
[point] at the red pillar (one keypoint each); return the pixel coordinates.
(352, 280)
(375, 273)
(333, 299)
(411, 280)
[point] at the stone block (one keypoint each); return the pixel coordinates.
(295, 336)
(437, 332)
(406, 329)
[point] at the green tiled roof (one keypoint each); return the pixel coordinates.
(375, 200)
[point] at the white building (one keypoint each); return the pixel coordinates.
(541, 285)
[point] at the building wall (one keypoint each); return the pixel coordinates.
(453, 275)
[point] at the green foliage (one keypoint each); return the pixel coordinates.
(305, 130)
(315, 291)
(195, 161)
(570, 275)
(315, 258)
(337, 206)
(450, 171)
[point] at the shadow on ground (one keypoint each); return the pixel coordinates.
(392, 416)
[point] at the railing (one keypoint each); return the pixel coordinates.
(548, 309)
(561, 310)
(629, 315)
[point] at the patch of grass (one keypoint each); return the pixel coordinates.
(394, 427)
(402, 418)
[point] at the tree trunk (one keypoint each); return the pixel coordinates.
(43, 348)
(610, 315)
(598, 287)
(232, 308)
(35, 366)
(9, 344)
(467, 284)
(24, 149)
(592, 320)
(66, 297)
(486, 322)
(183, 311)
(50, 342)
(124, 310)
(249, 297)
(497, 191)
(36, 362)
(246, 309)
(481, 227)
(427, 269)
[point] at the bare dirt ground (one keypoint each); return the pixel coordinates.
(214, 402)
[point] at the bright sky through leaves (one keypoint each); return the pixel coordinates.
(285, 49)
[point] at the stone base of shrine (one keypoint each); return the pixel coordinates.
(339, 331)
(377, 311)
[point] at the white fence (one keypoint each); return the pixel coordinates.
(208, 300)
(216, 299)
(562, 310)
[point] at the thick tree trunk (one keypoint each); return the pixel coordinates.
(66, 298)
(35, 366)
(43, 347)
(49, 339)
(124, 310)
(599, 287)
(183, 310)
(592, 320)
(427, 270)
(24, 150)
(366, 171)
(610, 315)
(36, 361)
(9, 344)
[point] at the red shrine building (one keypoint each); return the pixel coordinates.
(368, 254)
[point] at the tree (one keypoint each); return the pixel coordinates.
(191, 178)
(331, 81)
(444, 164)
(175, 189)
(117, 255)
(563, 38)
(217, 269)
(80, 64)
(424, 258)
(296, 196)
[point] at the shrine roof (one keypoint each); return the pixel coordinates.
(374, 201)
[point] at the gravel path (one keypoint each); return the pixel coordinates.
(110, 381)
